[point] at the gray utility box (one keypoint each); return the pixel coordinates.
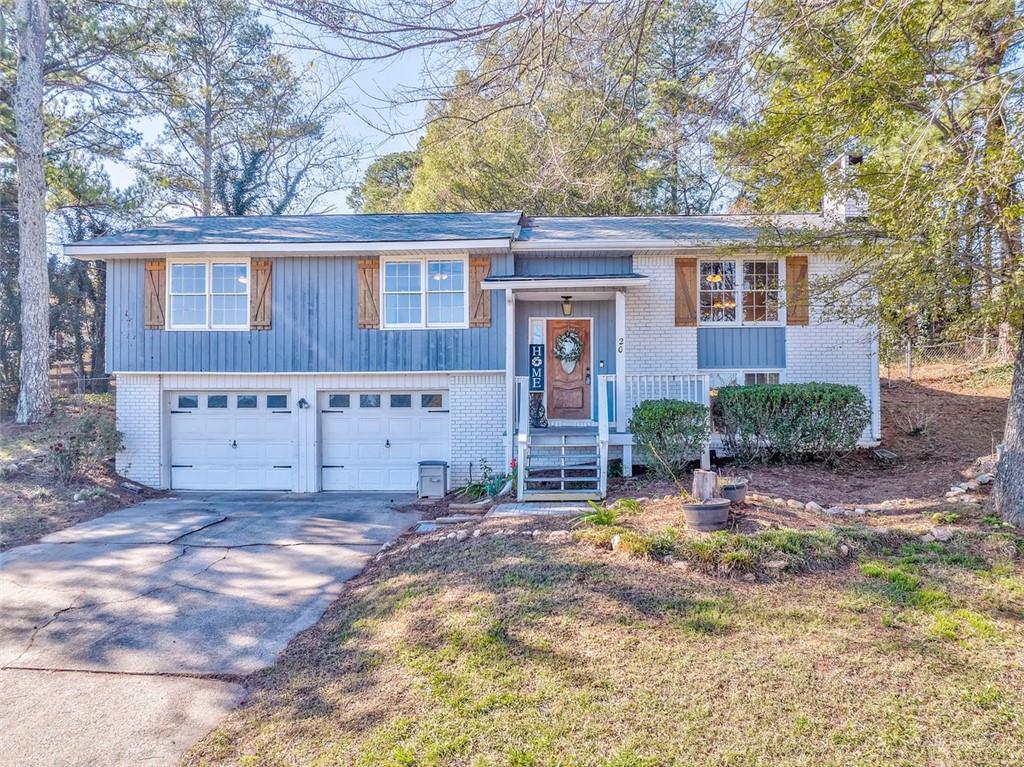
(433, 482)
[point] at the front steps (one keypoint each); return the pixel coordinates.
(562, 465)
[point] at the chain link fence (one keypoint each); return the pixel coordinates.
(63, 386)
(908, 360)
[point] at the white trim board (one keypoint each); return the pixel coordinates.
(495, 371)
(92, 252)
(568, 284)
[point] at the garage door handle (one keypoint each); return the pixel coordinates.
(387, 443)
(234, 444)
(332, 466)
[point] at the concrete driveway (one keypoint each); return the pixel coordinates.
(121, 638)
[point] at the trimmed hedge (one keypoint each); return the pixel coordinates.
(669, 431)
(790, 422)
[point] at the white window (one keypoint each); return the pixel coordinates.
(425, 293)
(753, 379)
(723, 378)
(751, 284)
(760, 291)
(717, 291)
(205, 295)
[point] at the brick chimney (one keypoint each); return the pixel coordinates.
(843, 201)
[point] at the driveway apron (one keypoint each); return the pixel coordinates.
(121, 639)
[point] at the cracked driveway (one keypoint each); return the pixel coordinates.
(121, 638)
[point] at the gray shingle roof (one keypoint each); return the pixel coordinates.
(568, 229)
(366, 227)
(554, 231)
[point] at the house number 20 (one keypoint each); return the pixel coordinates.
(621, 345)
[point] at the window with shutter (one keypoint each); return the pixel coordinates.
(260, 295)
(686, 292)
(797, 298)
(155, 296)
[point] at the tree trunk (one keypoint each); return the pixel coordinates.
(1009, 490)
(705, 485)
(33, 279)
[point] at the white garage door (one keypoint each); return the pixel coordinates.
(374, 440)
(232, 441)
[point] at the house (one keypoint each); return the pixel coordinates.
(335, 352)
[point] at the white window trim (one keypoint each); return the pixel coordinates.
(739, 322)
(423, 261)
(740, 373)
(209, 262)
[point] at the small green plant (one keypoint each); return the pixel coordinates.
(991, 520)
(599, 515)
(628, 505)
(672, 430)
(945, 517)
(488, 485)
(725, 478)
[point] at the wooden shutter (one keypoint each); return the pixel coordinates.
(797, 304)
(479, 299)
(260, 294)
(368, 277)
(155, 296)
(686, 292)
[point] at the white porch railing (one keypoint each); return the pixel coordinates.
(605, 398)
(522, 432)
(688, 387)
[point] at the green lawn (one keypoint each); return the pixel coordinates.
(514, 650)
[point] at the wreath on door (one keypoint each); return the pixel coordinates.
(568, 349)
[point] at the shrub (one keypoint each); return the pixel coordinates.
(670, 432)
(600, 515)
(83, 439)
(791, 421)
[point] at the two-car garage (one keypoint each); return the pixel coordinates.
(252, 440)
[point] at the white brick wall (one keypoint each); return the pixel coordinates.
(477, 405)
(139, 414)
(653, 342)
(833, 351)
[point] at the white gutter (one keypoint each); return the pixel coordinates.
(84, 250)
(610, 281)
(620, 244)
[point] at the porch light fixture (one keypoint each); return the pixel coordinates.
(567, 306)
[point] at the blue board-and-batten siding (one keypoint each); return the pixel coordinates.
(314, 329)
(602, 330)
(749, 348)
(572, 264)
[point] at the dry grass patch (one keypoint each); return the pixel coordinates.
(515, 650)
(32, 500)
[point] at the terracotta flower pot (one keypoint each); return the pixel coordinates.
(736, 491)
(707, 516)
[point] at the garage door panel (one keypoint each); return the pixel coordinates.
(232, 448)
(378, 448)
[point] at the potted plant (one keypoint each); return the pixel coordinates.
(732, 487)
(702, 509)
(705, 516)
